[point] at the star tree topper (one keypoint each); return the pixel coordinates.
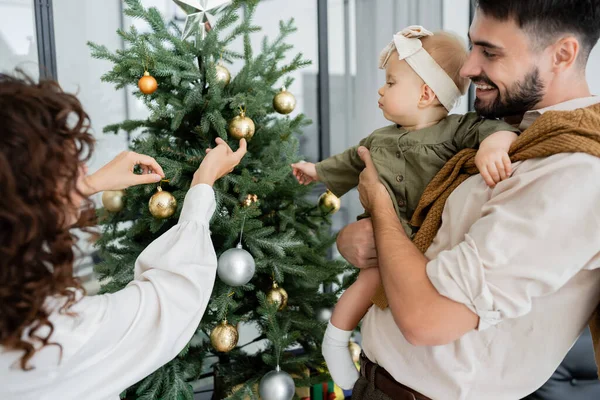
(199, 13)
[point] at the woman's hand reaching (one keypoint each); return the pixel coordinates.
(118, 174)
(219, 161)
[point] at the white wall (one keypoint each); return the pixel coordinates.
(455, 17)
(593, 67)
(75, 23)
(18, 46)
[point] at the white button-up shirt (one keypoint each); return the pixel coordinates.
(524, 257)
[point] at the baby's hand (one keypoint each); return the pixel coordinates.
(493, 164)
(305, 172)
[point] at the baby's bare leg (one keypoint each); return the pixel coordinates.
(356, 300)
(348, 312)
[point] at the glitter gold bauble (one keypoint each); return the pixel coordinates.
(241, 127)
(112, 200)
(147, 83)
(278, 295)
(224, 337)
(329, 203)
(354, 351)
(162, 204)
(284, 102)
(223, 75)
(249, 200)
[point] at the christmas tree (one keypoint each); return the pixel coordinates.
(192, 99)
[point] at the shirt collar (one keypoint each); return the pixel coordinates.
(582, 102)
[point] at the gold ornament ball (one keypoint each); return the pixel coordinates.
(354, 351)
(162, 204)
(223, 74)
(147, 83)
(329, 203)
(279, 296)
(249, 200)
(241, 127)
(284, 102)
(112, 200)
(224, 337)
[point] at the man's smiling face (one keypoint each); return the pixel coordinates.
(508, 72)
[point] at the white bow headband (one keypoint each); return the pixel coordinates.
(409, 47)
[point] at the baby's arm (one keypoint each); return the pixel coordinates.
(492, 158)
(339, 173)
(305, 172)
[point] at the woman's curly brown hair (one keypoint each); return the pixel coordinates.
(44, 143)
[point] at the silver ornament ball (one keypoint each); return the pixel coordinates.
(324, 314)
(277, 385)
(236, 266)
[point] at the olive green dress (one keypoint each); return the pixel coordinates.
(407, 160)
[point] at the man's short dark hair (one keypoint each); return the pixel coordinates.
(546, 20)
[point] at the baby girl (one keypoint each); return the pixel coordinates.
(422, 85)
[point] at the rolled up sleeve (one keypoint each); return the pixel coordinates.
(534, 234)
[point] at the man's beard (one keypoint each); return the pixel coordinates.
(520, 98)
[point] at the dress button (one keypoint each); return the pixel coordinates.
(399, 178)
(401, 203)
(398, 154)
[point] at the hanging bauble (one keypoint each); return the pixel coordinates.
(162, 204)
(147, 83)
(324, 314)
(278, 295)
(223, 75)
(236, 266)
(241, 127)
(354, 351)
(249, 200)
(112, 200)
(284, 102)
(276, 385)
(224, 337)
(329, 203)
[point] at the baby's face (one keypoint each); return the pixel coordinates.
(401, 93)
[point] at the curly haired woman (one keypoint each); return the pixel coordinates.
(55, 342)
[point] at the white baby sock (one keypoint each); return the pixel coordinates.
(338, 358)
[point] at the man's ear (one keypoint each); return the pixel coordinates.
(566, 51)
(428, 96)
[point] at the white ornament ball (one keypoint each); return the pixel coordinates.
(277, 385)
(324, 314)
(236, 266)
